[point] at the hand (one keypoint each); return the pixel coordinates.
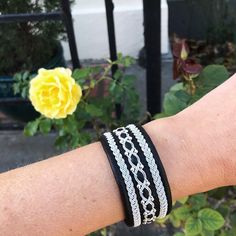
(198, 145)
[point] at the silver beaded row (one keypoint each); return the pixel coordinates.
(143, 185)
(153, 169)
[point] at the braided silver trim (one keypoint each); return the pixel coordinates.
(137, 167)
(153, 169)
(127, 179)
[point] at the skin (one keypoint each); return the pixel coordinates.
(75, 193)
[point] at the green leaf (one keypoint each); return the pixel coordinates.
(31, 128)
(174, 221)
(112, 86)
(210, 78)
(70, 124)
(61, 142)
(183, 200)
(84, 138)
(175, 101)
(17, 77)
(45, 126)
(74, 140)
(128, 80)
(182, 212)
(211, 219)
(16, 88)
(119, 56)
(182, 96)
(214, 75)
(25, 75)
(117, 92)
(93, 110)
(81, 73)
(118, 75)
(24, 92)
(21, 84)
(177, 86)
(104, 232)
(126, 61)
(198, 201)
(193, 226)
(81, 123)
(162, 220)
(207, 233)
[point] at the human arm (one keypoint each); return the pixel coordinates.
(75, 193)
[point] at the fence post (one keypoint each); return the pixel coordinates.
(70, 33)
(152, 36)
(112, 42)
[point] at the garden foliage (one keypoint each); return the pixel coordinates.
(96, 110)
(214, 212)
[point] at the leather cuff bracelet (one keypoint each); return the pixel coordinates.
(139, 173)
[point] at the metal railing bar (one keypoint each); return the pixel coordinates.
(112, 42)
(152, 36)
(67, 18)
(24, 17)
(13, 100)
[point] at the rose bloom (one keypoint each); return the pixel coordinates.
(54, 93)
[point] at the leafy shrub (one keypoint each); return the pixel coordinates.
(28, 45)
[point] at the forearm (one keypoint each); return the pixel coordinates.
(76, 193)
(71, 194)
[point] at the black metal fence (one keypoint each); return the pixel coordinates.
(152, 19)
(64, 15)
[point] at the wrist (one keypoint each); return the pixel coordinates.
(189, 166)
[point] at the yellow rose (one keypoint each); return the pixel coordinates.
(54, 93)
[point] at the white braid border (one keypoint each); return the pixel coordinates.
(149, 214)
(153, 169)
(127, 179)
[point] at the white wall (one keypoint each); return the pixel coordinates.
(91, 28)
